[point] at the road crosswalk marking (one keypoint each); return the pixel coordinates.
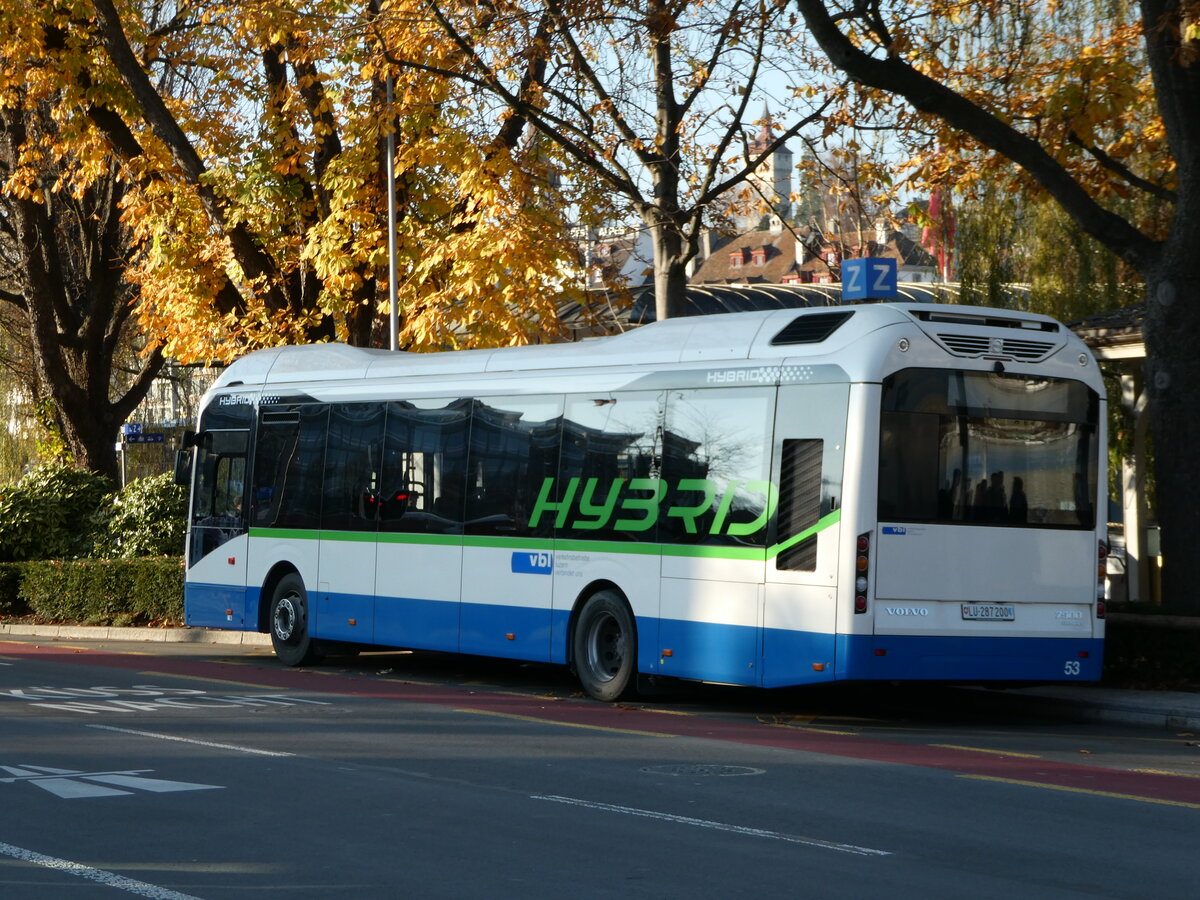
(73, 784)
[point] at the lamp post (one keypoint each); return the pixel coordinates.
(393, 311)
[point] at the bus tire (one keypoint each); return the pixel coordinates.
(604, 647)
(289, 623)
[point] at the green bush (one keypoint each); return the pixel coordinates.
(50, 513)
(105, 591)
(11, 603)
(1152, 652)
(148, 517)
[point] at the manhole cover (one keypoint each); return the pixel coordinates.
(725, 771)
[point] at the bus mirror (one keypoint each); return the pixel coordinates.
(188, 439)
(183, 467)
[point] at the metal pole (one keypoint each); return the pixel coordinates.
(394, 312)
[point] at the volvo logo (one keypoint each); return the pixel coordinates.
(906, 611)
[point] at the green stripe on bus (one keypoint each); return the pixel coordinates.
(565, 545)
(824, 522)
(287, 534)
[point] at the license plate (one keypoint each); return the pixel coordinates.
(989, 612)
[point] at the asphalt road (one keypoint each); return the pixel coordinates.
(182, 771)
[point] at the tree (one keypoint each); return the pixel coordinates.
(650, 99)
(250, 138)
(64, 258)
(1077, 112)
(1005, 238)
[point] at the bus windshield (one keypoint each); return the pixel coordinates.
(988, 448)
(218, 493)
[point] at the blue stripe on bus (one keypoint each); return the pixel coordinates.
(699, 650)
(413, 622)
(217, 606)
(706, 651)
(797, 657)
(513, 632)
(954, 658)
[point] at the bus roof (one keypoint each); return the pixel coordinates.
(770, 334)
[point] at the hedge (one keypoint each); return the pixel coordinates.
(1152, 652)
(96, 591)
(11, 603)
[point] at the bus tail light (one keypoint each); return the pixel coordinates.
(862, 568)
(1102, 574)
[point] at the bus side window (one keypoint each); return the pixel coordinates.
(514, 448)
(352, 467)
(610, 441)
(716, 463)
(289, 461)
(422, 477)
(799, 502)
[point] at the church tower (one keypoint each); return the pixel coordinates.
(771, 180)
(774, 176)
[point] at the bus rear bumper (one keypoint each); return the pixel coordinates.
(956, 658)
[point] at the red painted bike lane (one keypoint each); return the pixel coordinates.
(628, 718)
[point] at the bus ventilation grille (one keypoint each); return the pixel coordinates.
(811, 329)
(976, 345)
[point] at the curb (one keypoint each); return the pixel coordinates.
(1158, 714)
(1166, 710)
(1121, 714)
(153, 635)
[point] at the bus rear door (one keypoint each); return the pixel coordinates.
(800, 601)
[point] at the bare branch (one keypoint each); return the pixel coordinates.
(1124, 172)
(896, 76)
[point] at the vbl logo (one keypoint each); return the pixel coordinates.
(526, 563)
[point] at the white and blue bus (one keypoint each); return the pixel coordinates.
(891, 491)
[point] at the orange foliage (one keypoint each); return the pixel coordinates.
(257, 198)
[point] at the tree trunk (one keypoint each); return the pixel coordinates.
(68, 257)
(91, 424)
(92, 443)
(1172, 335)
(670, 271)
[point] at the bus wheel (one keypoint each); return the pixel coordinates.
(605, 647)
(289, 623)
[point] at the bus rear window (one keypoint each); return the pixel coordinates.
(987, 449)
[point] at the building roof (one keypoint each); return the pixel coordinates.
(1115, 333)
(706, 299)
(777, 258)
(773, 257)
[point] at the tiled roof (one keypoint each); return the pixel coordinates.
(705, 299)
(1115, 334)
(757, 257)
(1111, 323)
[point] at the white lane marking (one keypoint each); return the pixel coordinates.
(716, 826)
(110, 879)
(183, 740)
(71, 784)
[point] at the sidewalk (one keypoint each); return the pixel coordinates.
(1177, 711)
(113, 633)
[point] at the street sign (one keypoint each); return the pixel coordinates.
(131, 428)
(871, 278)
(148, 438)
